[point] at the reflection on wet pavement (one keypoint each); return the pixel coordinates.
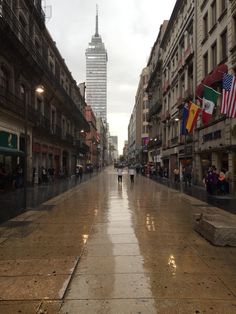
(143, 257)
(114, 248)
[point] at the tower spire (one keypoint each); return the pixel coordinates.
(96, 31)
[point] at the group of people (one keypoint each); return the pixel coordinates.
(11, 179)
(131, 172)
(216, 182)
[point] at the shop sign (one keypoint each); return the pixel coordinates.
(211, 136)
(8, 140)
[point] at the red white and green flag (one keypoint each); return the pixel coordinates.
(208, 104)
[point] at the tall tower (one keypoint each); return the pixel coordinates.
(96, 74)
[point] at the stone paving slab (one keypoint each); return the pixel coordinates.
(138, 264)
(16, 307)
(33, 287)
(37, 267)
(128, 286)
(150, 306)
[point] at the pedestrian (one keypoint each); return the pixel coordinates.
(176, 174)
(188, 175)
(221, 183)
(120, 173)
(131, 174)
(80, 173)
(44, 175)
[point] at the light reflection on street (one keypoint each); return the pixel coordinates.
(85, 238)
(172, 265)
(150, 223)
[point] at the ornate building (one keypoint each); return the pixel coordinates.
(45, 128)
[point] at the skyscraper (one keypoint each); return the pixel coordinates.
(96, 75)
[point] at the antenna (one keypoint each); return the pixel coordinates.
(96, 31)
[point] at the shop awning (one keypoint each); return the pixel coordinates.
(11, 151)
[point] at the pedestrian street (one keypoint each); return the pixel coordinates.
(114, 247)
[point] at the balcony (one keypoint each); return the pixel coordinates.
(12, 103)
(154, 109)
(166, 86)
(81, 147)
(174, 140)
(188, 52)
(165, 116)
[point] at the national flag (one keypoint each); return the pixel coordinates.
(192, 116)
(228, 105)
(184, 131)
(208, 104)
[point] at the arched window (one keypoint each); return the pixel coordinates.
(22, 92)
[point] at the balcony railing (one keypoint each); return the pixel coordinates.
(174, 140)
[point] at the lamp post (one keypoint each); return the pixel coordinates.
(40, 90)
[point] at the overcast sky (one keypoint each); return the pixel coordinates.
(128, 28)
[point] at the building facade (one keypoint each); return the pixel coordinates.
(215, 142)
(142, 109)
(96, 75)
(41, 128)
(92, 138)
(195, 48)
(154, 92)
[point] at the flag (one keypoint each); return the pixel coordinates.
(228, 105)
(192, 116)
(209, 101)
(184, 131)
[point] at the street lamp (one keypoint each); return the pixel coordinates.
(40, 90)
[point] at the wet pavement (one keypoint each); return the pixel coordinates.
(226, 202)
(12, 202)
(104, 247)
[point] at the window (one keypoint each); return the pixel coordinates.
(205, 25)
(22, 92)
(223, 5)
(205, 64)
(214, 55)
(234, 29)
(213, 13)
(224, 45)
(4, 78)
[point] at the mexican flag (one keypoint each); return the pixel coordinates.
(208, 104)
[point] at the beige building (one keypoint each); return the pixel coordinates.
(154, 92)
(177, 84)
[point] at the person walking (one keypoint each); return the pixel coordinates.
(131, 174)
(120, 173)
(176, 174)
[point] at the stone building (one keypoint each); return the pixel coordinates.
(132, 136)
(141, 123)
(154, 92)
(51, 120)
(215, 142)
(177, 84)
(92, 139)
